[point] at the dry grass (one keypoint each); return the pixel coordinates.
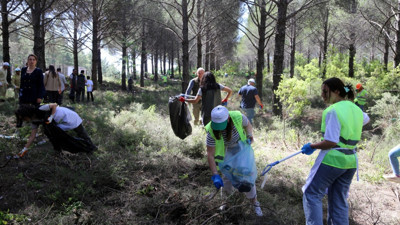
(143, 174)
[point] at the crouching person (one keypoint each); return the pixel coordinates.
(56, 120)
(226, 134)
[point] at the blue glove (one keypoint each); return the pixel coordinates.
(306, 149)
(217, 180)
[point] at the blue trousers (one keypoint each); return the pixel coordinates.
(338, 183)
(250, 112)
(394, 161)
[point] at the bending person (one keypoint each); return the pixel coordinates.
(64, 118)
(224, 132)
(336, 163)
(210, 94)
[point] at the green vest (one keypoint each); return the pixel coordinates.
(361, 98)
(219, 144)
(351, 121)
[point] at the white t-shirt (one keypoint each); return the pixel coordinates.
(332, 129)
(66, 119)
(200, 93)
(89, 84)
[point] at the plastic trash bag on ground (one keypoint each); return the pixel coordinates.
(180, 117)
(240, 167)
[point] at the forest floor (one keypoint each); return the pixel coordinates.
(143, 174)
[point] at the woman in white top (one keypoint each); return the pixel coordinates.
(64, 118)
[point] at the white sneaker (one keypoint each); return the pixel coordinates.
(392, 178)
(257, 209)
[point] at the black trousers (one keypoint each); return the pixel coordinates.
(90, 93)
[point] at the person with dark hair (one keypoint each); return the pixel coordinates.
(63, 86)
(80, 86)
(73, 85)
(336, 163)
(64, 118)
(89, 89)
(52, 84)
(210, 94)
(32, 86)
(224, 132)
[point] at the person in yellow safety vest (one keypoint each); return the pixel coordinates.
(337, 162)
(164, 77)
(361, 97)
(224, 131)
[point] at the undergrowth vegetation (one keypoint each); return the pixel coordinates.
(143, 174)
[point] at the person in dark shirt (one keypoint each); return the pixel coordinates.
(249, 96)
(32, 86)
(80, 86)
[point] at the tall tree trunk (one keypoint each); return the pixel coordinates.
(99, 68)
(325, 44)
(268, 62)
(95, 42)
(293, 47)
(212, 55)
(172, 59)
(75, 41)
(6, 36)
(38, 47)
(208, 49)
(179, 63)
(352, 54)
(198, 38)
(185, 45)
(156, 66)
(134, 62)
(142, 56)
(352, 45)
(165, 58)
(386, 54)
(279, 54)
(261, 49)
(124, 59)
(397, 48)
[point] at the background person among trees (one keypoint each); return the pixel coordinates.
(80, 86)
(210, 94)
(336, 163)
(3, 81)
(361, 98)
(32, 86)
(16, 82)
(249, 96)
(89, 89)
(64, 84)
(192, 89)
(224, 132)
(73, 85)
(52, 84)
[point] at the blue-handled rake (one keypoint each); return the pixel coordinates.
(269, 167)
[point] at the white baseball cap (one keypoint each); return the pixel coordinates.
(17, 69)
(219, 118)
(251, 81)
(6, 64)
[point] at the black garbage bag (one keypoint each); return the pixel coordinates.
(179, 116)
(61, 140)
